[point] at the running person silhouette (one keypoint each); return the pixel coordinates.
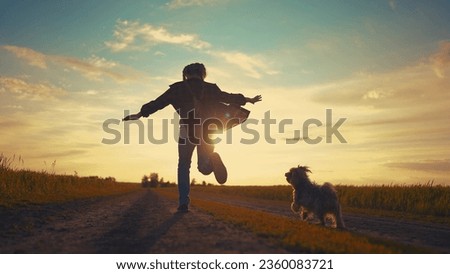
(191, 96)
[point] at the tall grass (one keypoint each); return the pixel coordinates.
(18, 185)
(417, 199)
(424, 199)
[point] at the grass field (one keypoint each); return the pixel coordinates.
(415, 199)
(21, 186)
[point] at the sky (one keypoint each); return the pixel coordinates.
(356, 90)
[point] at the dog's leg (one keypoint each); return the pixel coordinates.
(322, 217)
(304, 214)
(295, 207)
(310, 216)
(323, 220)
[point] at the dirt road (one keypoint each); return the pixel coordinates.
(435, 237)
(138, 222)
(144, 222)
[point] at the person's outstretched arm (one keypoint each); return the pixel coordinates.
(152, 106)
(132, 117)
(236, 98)
(253, 100)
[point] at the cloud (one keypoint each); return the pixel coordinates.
(33, 57)
(409, 87)
(441, 59)
(60, 154)
(33, 91)
(404, 109)
(132, 35)
(253, 66)
(321, 46)
(393, 4)
(93, 68)
(429, 165)
(14, 107)
(101, 62)
(376, 94)
(395, 115)
(408, 118)
(176, 4)
(9, 124)
(159, 53)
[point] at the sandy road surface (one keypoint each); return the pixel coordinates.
(144, 222)
(138, 222)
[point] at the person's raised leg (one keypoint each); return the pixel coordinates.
(204, 152)
(210, 161)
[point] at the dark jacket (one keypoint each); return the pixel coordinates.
(181, 96)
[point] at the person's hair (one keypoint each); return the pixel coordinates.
(194, 69)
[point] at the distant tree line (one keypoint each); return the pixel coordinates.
(194, 183)
(97, 178)
(153, 180)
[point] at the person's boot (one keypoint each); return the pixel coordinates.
(183, 208)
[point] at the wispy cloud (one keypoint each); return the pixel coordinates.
(132, 35)
(60, 154)
(93, 68)
(441, 59)
(25, 90)
(395, 115)
(403, 110)
(33, 57)
(410, 87)
(8, 123)
(429, 165)
(392, 4)
(176, 4)
(253, 66)
(101, 62)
